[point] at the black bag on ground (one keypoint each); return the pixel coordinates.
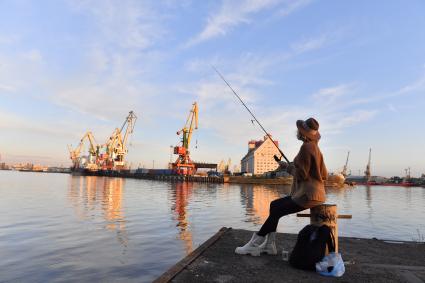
(311, 246)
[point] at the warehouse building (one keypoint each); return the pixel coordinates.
(259, 158)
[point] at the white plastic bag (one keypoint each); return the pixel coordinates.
(331, 265)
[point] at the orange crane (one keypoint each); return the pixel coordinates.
(184, 165)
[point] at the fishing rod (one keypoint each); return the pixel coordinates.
(253, 116)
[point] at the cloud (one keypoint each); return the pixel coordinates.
(111, 84)
(310, 44)
(418, 85)
(8, 39)
(127, 23)
(21, 71)
(292, 6)
(330, 94)
(33, 55)
(118, 63)
(247, 73)
(415, 86)
(247, 69)
(234, 13)
(392, 108)
(343, 120)
(319, 41)
(55, 129)
(7, 88)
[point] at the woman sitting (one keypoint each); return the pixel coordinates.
(308, 190)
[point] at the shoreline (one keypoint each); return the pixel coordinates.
(287, 181)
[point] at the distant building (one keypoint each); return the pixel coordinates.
(4, 166)
(259, 158)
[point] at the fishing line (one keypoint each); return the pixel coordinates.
(234, 92)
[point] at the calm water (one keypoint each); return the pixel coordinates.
(57, 227)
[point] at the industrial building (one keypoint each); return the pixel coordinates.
(259, 158)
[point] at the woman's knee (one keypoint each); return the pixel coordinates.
(274, 207)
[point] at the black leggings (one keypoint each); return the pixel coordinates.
(278, 208)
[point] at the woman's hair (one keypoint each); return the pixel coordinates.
(301, 137)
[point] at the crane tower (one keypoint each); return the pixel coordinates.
(184, 165)
(367, 171)
(116, 145)
(344, 170)
(86, 161)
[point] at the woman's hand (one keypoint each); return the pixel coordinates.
(283, 165)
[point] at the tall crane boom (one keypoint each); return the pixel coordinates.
(191, 124)
(116, 145)
(344, 170)
(130, 121)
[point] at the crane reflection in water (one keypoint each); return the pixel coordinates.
(181, 194)
(88, 194)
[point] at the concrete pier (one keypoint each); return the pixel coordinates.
(367, 260)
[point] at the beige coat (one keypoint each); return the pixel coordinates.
(309, 172)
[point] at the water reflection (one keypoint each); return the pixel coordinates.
(256, 200)
(88, 193)
(368, 195)
(181, 193)
(369, 202)
(408, 192)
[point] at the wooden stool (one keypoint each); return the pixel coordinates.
(326, 214)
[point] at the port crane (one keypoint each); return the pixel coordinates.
(367, 171)
(184, 165)
(407, 177)
(108, 156)
(93, 151)
(116, 145)
(344, 170)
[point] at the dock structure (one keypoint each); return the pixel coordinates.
(181, 178)
(366, 260)
(186, 178)
(147, 176)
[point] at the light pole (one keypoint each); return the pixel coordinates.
(171, 157)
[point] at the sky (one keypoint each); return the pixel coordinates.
(358, 67)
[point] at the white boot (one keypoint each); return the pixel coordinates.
(269, 245)
(253, 246)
